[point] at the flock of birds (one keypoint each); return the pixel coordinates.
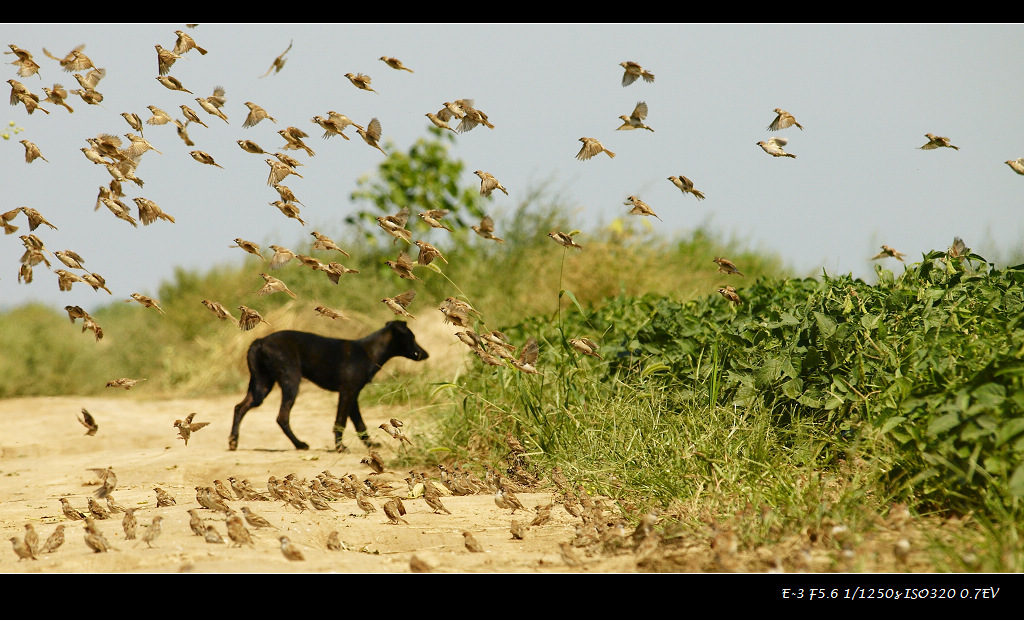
(122, 159)
(599, 528)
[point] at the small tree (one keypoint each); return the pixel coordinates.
(425, 178)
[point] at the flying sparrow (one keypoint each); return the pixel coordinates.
(773, 146)
(686, 186)
(935, 142)
(634, 71)
(783, 119)
(726, 266)
(636, 119)
(591, 147)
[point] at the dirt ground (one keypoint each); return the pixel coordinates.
(45, 455)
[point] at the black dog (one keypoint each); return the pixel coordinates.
(342, 366)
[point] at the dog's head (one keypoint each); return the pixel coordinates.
(403, 342)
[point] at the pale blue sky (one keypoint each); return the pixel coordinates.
(865, 94)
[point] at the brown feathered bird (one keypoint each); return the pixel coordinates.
(186, 427)
(783, 119)
(89, 422)
(591, 147)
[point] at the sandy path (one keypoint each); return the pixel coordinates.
(45, 455)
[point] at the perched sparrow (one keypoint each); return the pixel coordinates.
(195, 522)
(726, 266)
(569, 554)
(172, 83)
(212, 536)
(730, 294)
(249, 318)
(69, 512)
(32, 152)
(364, 503)
(278, 63)
(773, 146)
(129, 524)
(888, 252)
(113, 506)
(518, 529)
(634, 71)
(95, 540)
(251, 147)
(471, 544)
(186, 427)
(124, 382)
(636, 119)
(591, 147)
(395, 63)
(399, 303)
(686, 186)
(360, 81)
(163, 498)
(543, 515)
(434, 501)
(152, 532)
(563, 239)
(55, 540)
(98, 511)
(273, 285)
(22, 549)
(256, 114)
(218, 309)
(88, 422)
(486, 229)
(1016, 164)
(254, 519)
(31, 538)
(586, 346)
(334, 541)
(391, 510)
(290, 551)
(237, 531)
(935, 142)
(416, 565)
(371, 135)
(782, 120)
(488, 183)
(639, 207)
(248, 246)
(204, 158)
